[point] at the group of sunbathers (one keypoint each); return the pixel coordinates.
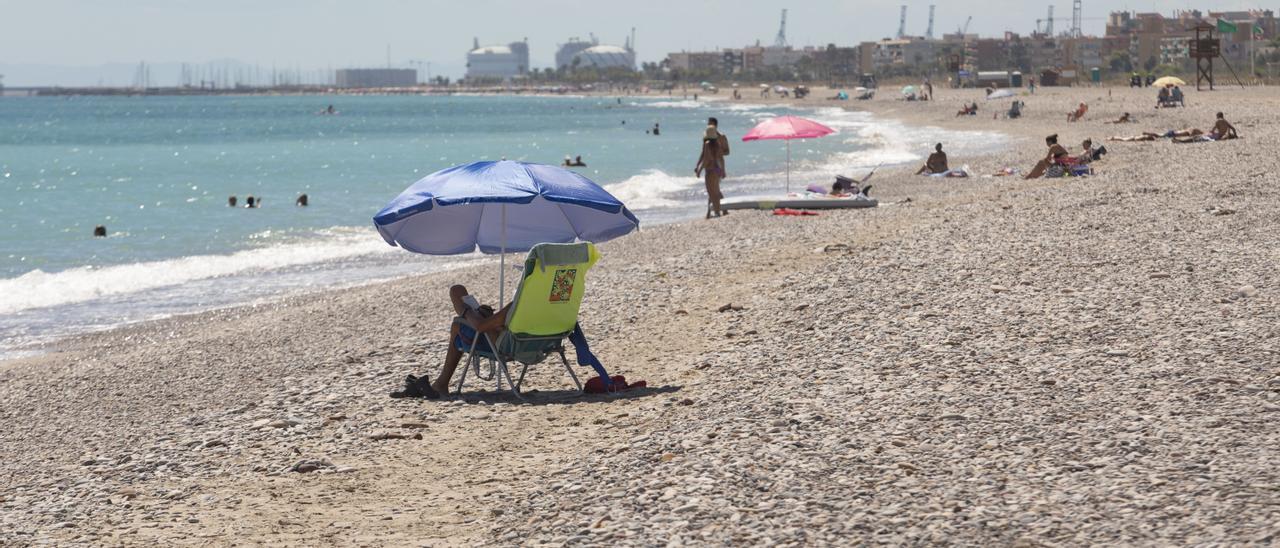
(1060, 163)
(1170, 96)
(1222, 131)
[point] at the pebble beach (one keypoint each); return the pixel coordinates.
(980, 361)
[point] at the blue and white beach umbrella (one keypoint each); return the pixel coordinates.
(501, 207)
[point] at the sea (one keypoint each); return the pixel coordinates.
(157, 173)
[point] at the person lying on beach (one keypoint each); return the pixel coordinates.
(472, 319)
(1171, 134)
(1057, 156)
(1222, 131)
(846, 186)
(1134, 138)
(1078, 113)
(937, 162)
(968, 110)
(1124, 119)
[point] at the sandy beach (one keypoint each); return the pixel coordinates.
(982, 361)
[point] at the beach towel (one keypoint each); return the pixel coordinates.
(786, 211)
(605, 385)
(583, 349)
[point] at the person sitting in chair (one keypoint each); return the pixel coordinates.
(472, 319)
(1078, 113)
(1015, 110)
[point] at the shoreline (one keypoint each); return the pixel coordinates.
(44, 343)
(994, 361)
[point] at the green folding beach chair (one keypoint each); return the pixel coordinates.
(543, 313)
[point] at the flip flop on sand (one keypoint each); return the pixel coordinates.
(415, 387)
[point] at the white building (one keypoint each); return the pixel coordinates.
(567, 51)
(603, 57)
(375, 78)
(509, 61)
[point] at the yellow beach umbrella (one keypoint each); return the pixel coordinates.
(1168, 81)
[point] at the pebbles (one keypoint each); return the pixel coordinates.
(1095, 364)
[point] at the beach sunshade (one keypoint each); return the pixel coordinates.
(908, 90)
(764, 86)
(500, 207)
(787, 128)
(1168, 81)
(1000, 94)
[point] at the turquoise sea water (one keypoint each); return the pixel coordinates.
(157, 171)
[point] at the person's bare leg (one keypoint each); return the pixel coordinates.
(1038, 171)
(451, 359)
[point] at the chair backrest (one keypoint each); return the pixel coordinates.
(550, 292)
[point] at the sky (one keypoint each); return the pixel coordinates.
(83, 42)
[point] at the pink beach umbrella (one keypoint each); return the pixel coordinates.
(788, 128)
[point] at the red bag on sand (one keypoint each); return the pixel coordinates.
(793, 212)
(595, 385)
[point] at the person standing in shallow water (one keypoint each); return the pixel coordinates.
(711, 167)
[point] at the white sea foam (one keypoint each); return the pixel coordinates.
(687, 103)
(37, 289)
(651, 189)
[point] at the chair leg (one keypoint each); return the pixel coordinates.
(466, 366)
(572, 375)
(504, 372)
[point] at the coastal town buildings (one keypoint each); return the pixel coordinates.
(1132, 41)
(375, 78)
(498, 61)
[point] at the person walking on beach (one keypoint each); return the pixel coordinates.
(711, 163)
(722, 141)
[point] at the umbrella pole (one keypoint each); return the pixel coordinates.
(502, 263)
(788, 167)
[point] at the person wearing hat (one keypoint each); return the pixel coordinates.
(711, 163)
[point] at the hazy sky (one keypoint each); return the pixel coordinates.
(338, 33)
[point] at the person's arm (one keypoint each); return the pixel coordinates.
(491, 324)
(697, 169)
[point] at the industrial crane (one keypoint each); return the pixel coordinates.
(965, 29)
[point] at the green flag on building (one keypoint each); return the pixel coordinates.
(1226, 27)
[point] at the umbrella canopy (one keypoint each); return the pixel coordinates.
(909, 90)
(499, 207)
(1000, 94)
(788, 128)
(1168, 81)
